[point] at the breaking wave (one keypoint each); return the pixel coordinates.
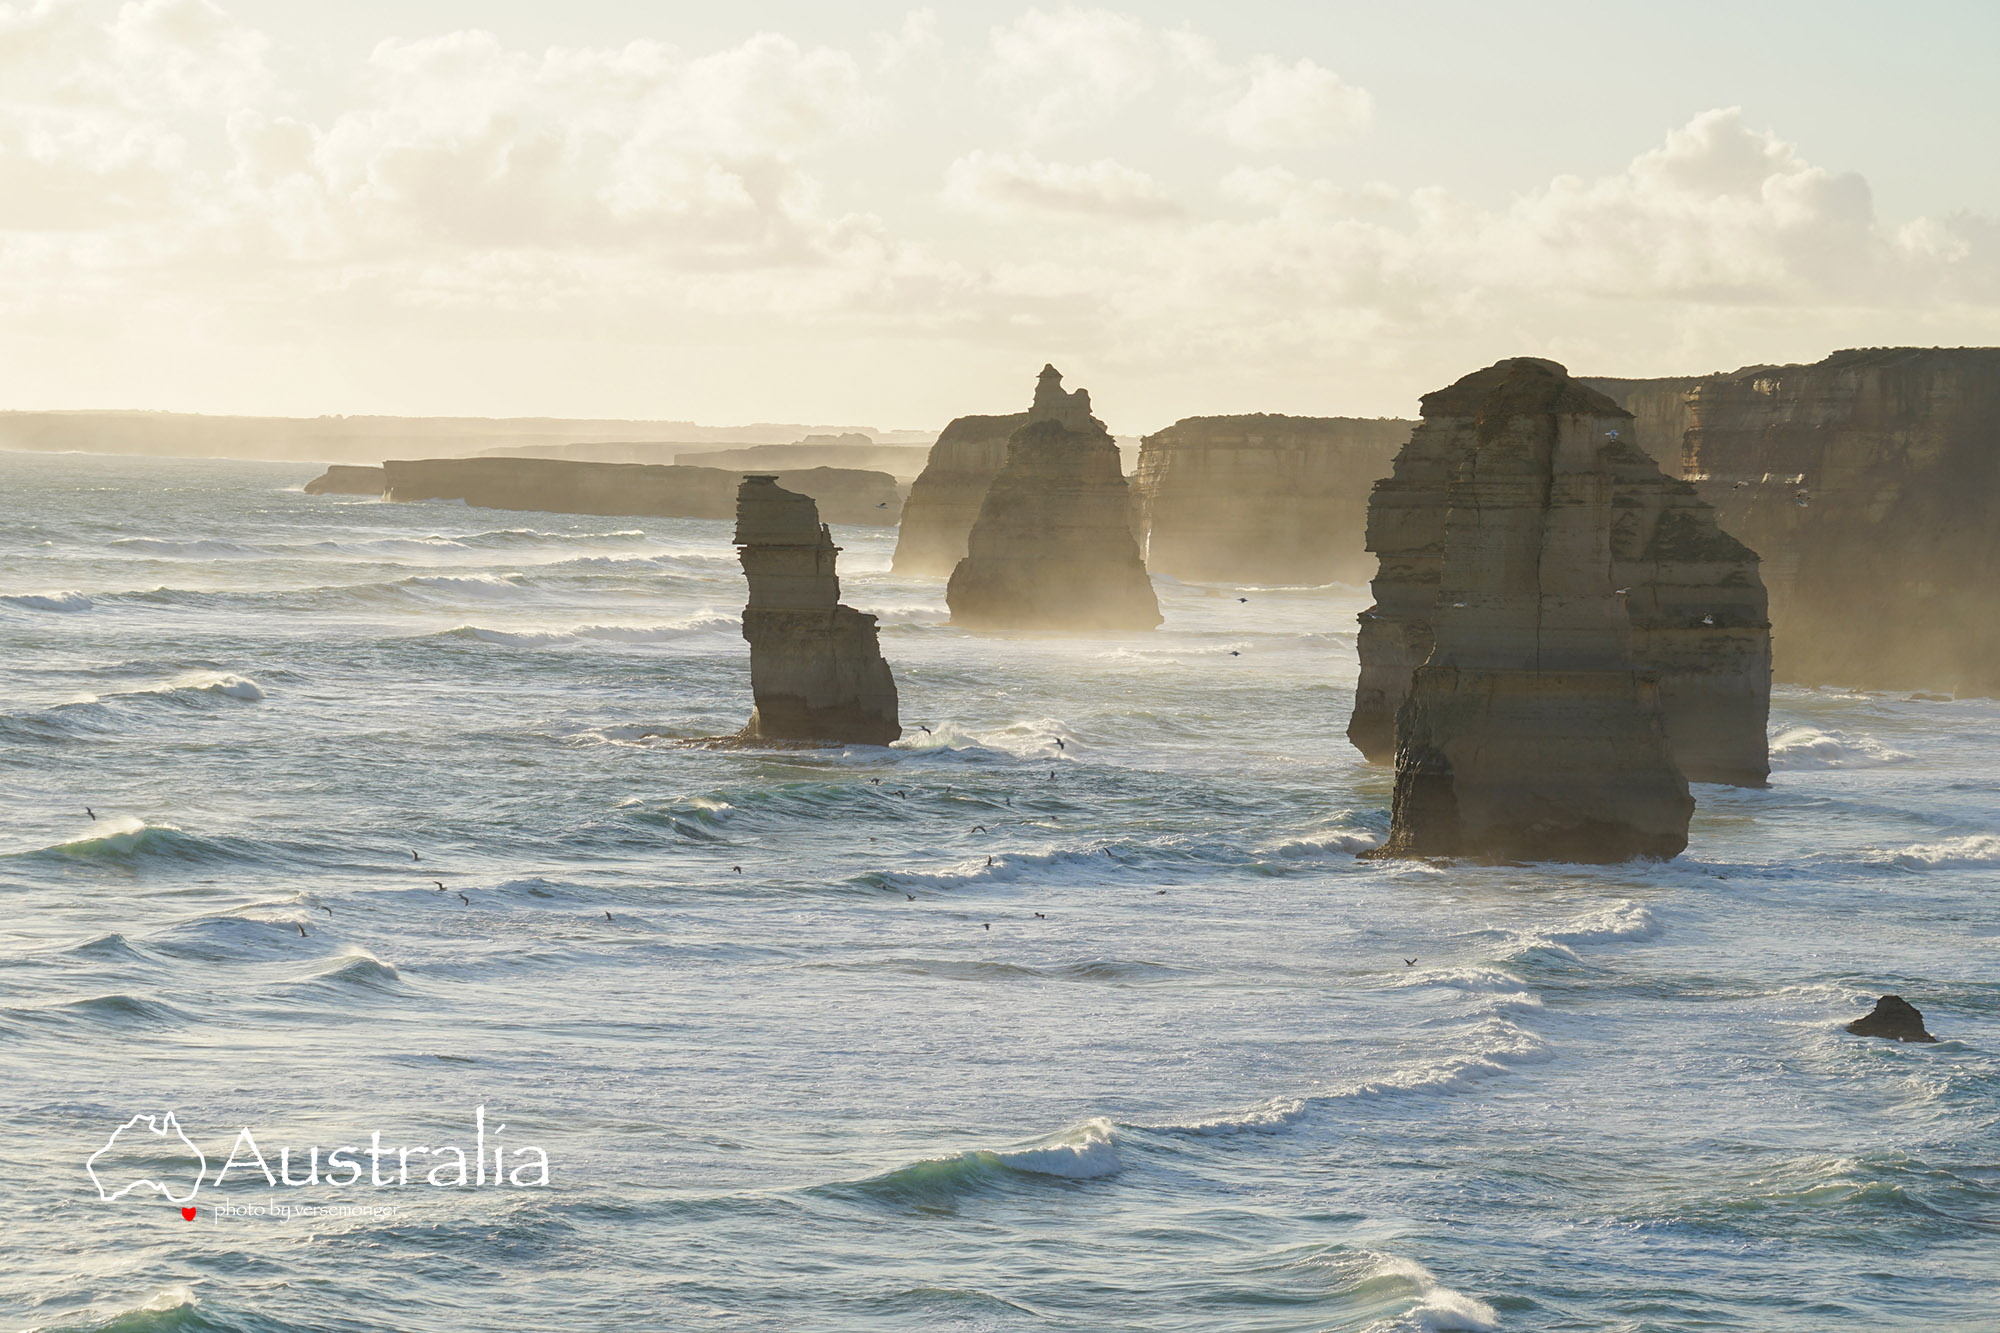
(1803, 748)
(56, 601)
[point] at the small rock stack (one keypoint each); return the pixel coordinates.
(816, 667)
(1052, 547)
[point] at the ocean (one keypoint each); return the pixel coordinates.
(334, 824)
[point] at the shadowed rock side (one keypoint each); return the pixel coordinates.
(1659, 409)
(343, 479)
(1261, 498)
(945, 498)
(1870, 483)
(1694, 600)
(638, 490)
(816, 668)
(1528, 732)
(1052, 547)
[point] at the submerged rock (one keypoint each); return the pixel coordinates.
(1893, 1017)
(944, 500)
(1261, 498)
(1693, 597)
(1052, 547)
(1527, 731)
(347, 479)
(816, 667)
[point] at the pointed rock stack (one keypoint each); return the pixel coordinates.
(1528, 731)
(1693, 595)
(816, 669)
(1052, 547)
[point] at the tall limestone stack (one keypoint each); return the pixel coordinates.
(1528, 731)
(945, 498)
(1694, 599)
(816, 669)
(1870, 482)
(1261, 498)
(1052, 547)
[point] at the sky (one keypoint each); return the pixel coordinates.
(874, 214)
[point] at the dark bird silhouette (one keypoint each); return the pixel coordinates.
(415, 857)
(1052, 775)
(989, 861)
(900, 792)
(979, 828)
(987, 924)
(883, 505)
(876, 781)
(1243, 599)
(440, 884)
(1059, 742)
(1409, 962)
(737, 869)
(324, 908)
(88, 811)
(467, 901)
(1234, 653)
(1010, 803)
(607, 916)
(911, 896)
(921, 727)
(1159, 891)
(302, 932)
(1040, 917)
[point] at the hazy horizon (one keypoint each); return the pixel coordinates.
(895, 215)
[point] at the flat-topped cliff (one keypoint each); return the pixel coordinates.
(1696, 611)
(639, 490)
(1261, 498)
(1870, 483)
(816, 667)
(1052, 546)
(944, 500)
(1528, 731)
(347, 479)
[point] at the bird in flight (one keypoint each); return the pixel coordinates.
(302, 932)
(440, 884)
(1059, 742)
(607, 916)
(415, 857)
(1243, 599)
(737, 869)
(324, 908)
(883, 505)
(911, 896)
(88, 811)
(1040, 917)
(1234, 653)
(1409, 962)
(989, 862)
(467, 901)
(921, 727)
(987, 924)
(979, 828)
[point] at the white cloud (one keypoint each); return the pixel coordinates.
(1004, 184)
(1289, 106)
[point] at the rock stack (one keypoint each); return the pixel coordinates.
(1893, 1017)
(816, 669)
(1261, 498)
(1052, 547)
(1694, 601)
(1528, 730)
(945, 498)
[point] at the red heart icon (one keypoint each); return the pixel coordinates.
(188, 1213)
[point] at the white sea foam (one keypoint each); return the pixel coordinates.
(1967, 852)
(583, 634)
(1083, 1152)
(1623, 920)
(53, 601)
(222, 684)
(1345, 840)
(1802, 748)
(1439, 1309)
(1269, 1117)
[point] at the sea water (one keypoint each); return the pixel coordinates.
(980, 1031)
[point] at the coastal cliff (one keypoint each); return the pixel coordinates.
(1695, 607)
(1052, 546)
(816, 668)
(344, 479)
(639, 490)
(1529, 732)
(1869, 482)
(1261, 498)
(945, 498)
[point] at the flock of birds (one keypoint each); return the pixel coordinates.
(1060, 744)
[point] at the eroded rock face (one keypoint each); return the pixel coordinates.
(345, 479)
(816, 667)
(1869, 482)
(638, 490)
(945, 498)
(1052, 547)
(1528, 730)
(1261, 498)
(1695, 603)
(1893, 1017)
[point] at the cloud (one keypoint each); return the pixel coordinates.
(1067, 70)
(1004, 184)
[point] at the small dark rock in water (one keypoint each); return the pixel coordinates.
(1893, 1017)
